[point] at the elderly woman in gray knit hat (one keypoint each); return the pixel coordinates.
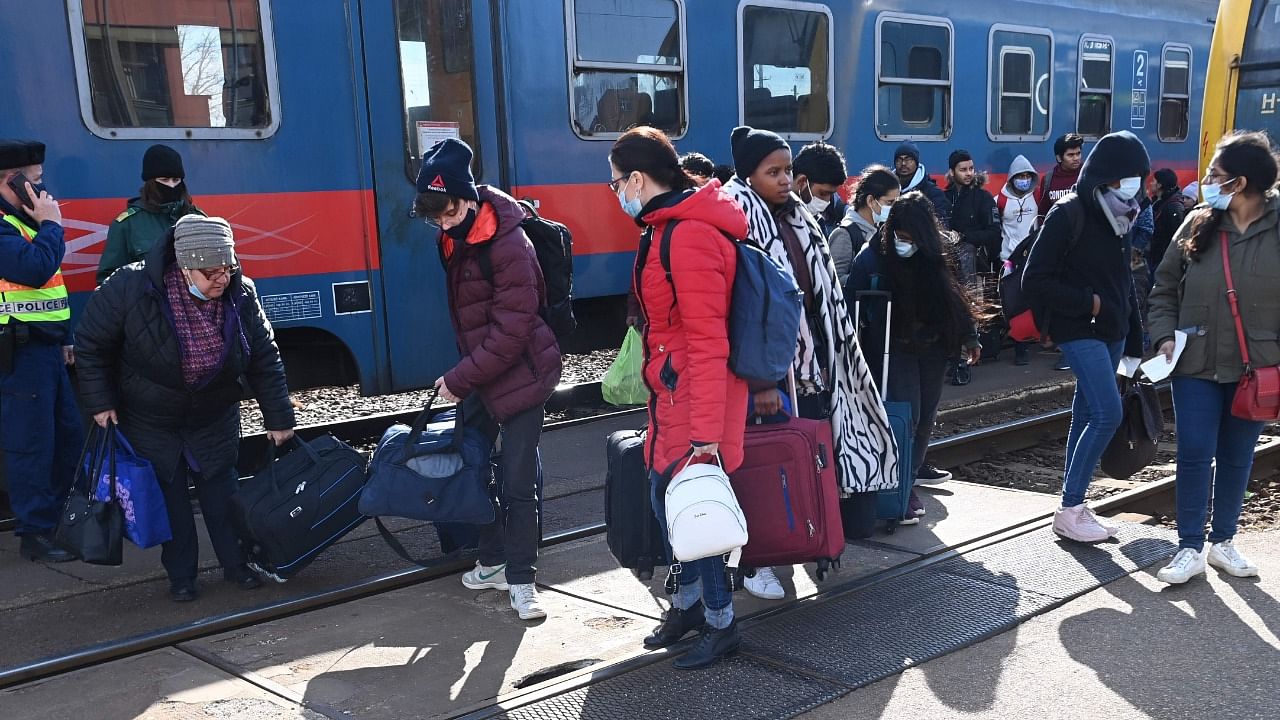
(160, 350)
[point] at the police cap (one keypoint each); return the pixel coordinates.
(20, 153)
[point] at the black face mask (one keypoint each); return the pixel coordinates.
(170, 194)
(459, 232)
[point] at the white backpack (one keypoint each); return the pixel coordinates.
(703, 515)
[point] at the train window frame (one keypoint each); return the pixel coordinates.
(1166, 95)
(948, 125)
(84, 93)
(799, 6)
(995, 81)
(1110, 91)
(574, 65)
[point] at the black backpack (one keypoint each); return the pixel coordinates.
(553, 244)
(1012, 299)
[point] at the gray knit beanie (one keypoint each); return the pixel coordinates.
(201, 242)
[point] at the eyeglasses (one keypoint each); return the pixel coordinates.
(1214, 178)
(217, 274)
(614, 183)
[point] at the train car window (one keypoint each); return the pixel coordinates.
(1018, 83)
(159, 69)
(1258, 96)
(914, 59)
(1175, 93)
(437, 76)
(785, 69)
(626, 63)
(1093, 99)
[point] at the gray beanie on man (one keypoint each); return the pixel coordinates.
(201, 242)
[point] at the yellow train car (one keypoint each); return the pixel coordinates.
(1242, 82)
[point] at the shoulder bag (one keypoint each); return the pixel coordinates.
(1258, 393)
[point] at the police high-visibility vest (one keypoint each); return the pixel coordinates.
(27, 304)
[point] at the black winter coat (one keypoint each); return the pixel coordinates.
(1168, 213)
(1063, 272)
(128, 356)
(975, 216)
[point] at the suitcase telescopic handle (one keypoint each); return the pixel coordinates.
(888, 319)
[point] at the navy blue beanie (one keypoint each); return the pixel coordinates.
(908, 148)
(751, 147)
(446, 168)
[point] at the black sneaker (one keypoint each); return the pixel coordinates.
(183, 590)
(930, 475)
(40, 548)
(244, 577)
(713, 645)
(675, 625)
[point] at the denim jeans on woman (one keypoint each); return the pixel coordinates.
(1208, 432)
(705, 578)
(1095, 411)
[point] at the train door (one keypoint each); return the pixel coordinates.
(430, 74)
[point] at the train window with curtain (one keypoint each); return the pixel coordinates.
(159, 69)
(914, 60)
(1019, 94)
(1175, 93)
(626, 65)
(786, 69)
(437, 76)
(1097, 73)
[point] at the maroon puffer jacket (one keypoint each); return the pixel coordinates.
(508, 354)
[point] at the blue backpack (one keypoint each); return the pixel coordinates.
(764, 317)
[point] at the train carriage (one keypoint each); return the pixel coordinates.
(303, 123)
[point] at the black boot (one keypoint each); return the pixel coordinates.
(40, 548)
(675, 625)
(183, 590)
(713, 645)
(244, 577)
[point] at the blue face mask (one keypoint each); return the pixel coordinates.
(881, 215)
(1214, 196)
(195, 291)
(1022, 184)
(631, 207)
(903, 248)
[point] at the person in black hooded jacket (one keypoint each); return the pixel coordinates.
(160, 350)
(1078, 281)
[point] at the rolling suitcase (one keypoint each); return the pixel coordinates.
(891, 504)
(788, 491)
(633, 533)
(299, 505)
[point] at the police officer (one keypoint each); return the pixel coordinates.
(41, 434)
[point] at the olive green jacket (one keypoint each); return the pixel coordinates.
(135, 231)
(1191, 295)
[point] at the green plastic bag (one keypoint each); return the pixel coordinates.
(623, 383)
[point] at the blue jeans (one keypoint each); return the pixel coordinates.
(1095, 411)
(1208, 432)
(703, 578)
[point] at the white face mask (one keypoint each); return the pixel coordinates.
(882, 214)
(1214, 196)
(1129, 188)
(817, 205)
(903, 248)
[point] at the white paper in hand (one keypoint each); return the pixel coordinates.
(1128, 366)
(1157, 368)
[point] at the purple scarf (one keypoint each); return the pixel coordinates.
(200, 328)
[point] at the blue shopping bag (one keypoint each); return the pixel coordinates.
(146, 518)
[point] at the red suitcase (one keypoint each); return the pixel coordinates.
(788, 491)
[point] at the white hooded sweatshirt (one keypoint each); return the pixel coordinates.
(1017, 213)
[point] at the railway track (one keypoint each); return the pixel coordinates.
(1150, 499)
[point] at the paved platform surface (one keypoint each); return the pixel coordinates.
(1133, 649)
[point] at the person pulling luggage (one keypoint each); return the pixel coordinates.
(509, 362)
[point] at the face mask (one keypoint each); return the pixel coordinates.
(1129, 187)
(903, 248)
(1022, 184)
(459, 232)
(631, 207)
(169, 194)
(882, 214)
(195, 291)
(1214, 197)
(818, 205)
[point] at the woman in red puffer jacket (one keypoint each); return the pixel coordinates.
(696, 404)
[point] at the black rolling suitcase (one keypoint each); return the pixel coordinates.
(633, 533)
(299, 505)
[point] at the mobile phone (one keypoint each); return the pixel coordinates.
(18, 184)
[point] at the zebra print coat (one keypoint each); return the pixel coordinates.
(865, 448)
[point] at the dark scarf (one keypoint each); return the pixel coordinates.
(200, 327)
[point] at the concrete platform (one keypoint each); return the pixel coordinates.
(1133, 649)
(959, 511)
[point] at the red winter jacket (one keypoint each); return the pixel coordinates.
(693, 396)
(508, 354)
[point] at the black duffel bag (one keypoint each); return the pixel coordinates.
(299, 504)
(1134, 445)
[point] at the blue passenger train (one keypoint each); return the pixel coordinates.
(303, 123)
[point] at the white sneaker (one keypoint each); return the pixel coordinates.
(764, 585)
(485, 577)
(1231, 561)
(524, 600)
(1185, 565)
(1104, 523)
(1078, 523)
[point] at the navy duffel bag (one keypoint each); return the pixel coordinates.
(437, 470)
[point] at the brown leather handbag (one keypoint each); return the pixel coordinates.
(1258, 394)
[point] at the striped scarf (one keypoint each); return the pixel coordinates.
(865, 448)
(199, 326)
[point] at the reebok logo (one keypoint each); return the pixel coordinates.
(437, 184)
